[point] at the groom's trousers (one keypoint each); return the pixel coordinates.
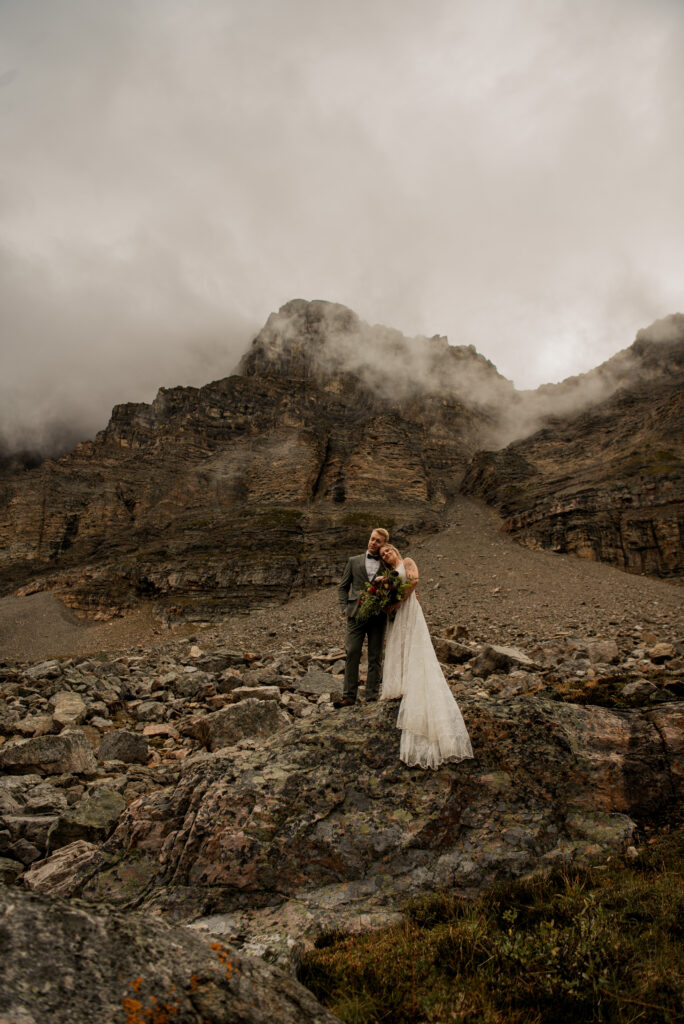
(374, 629)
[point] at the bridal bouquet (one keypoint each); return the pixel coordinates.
(383, 592)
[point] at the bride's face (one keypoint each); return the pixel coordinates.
(388, 556)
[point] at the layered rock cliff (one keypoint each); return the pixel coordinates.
(607, 483)
(258, 484)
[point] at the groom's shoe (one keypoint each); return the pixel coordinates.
(344, 703)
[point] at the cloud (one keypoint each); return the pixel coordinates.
(507, 175)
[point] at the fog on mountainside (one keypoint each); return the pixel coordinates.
(330, 339)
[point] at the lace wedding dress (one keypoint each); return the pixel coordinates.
(432, 726)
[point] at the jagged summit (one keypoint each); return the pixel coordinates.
(327, 341)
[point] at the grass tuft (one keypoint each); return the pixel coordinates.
(594, 945)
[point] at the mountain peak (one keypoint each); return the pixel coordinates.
(326, 340)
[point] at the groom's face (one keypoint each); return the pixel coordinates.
(375, 543)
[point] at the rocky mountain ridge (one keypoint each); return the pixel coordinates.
(606, 484)
(234, 493)
(254, 487)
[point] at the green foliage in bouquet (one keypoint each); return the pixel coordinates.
(381, 594)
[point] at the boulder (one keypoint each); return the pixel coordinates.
(228, 681)
(30, 828)
(264, 675)
(219, 661)
(66, 870)
(249, 717)
(316, 682)
(322, 823)
(26, 852)
(662, 652)
(36, 725)
(603, 651)
(68, 708)
(69, 752)
(93, 819)
(44, 798)
(258, 692)
(160, 729)
(450, 652)
(44, 670)
(149, 711)
(121, 745)
(87, 966)
(10, 870)
(193, 684)
(638, 688)
(499, 659)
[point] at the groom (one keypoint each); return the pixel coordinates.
(361, 569)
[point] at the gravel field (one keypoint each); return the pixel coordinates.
(471, 575)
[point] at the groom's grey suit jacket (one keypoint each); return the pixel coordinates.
(352, 583)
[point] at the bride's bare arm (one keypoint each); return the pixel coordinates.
(411, 576)
(411, 570)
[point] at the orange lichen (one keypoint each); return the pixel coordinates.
(155, 1013)
(224, 958)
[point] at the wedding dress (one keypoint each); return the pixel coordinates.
(432, 726)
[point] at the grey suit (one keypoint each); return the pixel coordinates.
(349, 591)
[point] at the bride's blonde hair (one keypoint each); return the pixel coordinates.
(392, 548)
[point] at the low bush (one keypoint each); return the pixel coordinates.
(595, 945)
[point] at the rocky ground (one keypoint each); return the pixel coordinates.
(205, 776)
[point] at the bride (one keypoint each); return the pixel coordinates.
(432, 726)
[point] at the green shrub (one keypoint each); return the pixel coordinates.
(597, 945)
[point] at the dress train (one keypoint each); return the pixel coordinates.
(431, 723)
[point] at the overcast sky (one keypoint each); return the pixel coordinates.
(506, 172)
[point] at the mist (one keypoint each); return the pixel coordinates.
(508, 176)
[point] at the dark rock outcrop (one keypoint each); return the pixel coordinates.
(63, 962)
(49, 755)
(323, 821)
(606, 484)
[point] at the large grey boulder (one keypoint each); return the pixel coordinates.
(317, 682)
(499, 659)
(250, 717)
(36, 725)
(193, 684)
(44, 670)
(70, 752)
(603, 652)
(65, 964)
(121, 745)
(450, 652)
(10, 870)
(93, 819)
